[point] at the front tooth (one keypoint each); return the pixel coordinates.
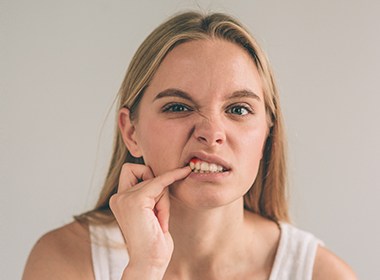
(198, 165)
(213, 167)
(204, 166)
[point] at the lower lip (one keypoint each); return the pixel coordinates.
(209, 177)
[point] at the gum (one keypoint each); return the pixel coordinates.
(199, 166)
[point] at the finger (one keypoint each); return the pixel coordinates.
(131, 173)
(163, 211)
(155, 187)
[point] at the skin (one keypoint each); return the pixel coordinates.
(208, 126)
(211, 121)
(178, 225)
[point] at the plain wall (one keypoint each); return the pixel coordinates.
(62, 63)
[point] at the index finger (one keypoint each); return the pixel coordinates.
(131, 173)
(155, 187)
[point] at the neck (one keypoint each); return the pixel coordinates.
(207, 237)
(221, 243)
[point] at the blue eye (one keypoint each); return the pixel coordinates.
(176, 107)
(239, 110)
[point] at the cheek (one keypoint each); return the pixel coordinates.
(252, 152)
(251, 145)
(251, 139)
(155, 139)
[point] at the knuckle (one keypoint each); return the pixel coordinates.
(113, 201)
(124, 200)
(126, 166)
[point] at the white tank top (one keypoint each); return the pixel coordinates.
(294, 258)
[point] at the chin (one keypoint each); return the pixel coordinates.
(203, 196)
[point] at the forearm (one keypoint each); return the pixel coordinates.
(132, 272)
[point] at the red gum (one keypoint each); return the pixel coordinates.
(195, 160)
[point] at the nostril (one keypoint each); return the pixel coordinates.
(210, 140)
(209, 133)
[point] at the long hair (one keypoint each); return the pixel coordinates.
(267, 195)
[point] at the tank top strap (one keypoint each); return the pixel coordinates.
(295, 254)
(108, 251)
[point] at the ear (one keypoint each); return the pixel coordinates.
(128, 132)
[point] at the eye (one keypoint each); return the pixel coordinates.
(176, 107)
(240, 110)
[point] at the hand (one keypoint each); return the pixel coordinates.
(142, 212)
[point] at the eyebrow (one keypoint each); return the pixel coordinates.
(245, 93)
(173, 92)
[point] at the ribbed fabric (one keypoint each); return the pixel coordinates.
(295, 254)
(294, 259)
(109, 254)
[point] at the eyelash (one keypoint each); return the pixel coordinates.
(170, 108)
(241, 106)
(174, 108)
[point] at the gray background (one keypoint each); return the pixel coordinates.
(62, 63)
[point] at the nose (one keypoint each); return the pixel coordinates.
(209, 131)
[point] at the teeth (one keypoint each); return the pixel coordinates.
(204, 166)
(213, 167)
(199, 166)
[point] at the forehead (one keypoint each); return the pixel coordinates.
(207, 66)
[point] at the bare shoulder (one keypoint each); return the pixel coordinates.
(328, 266)
(64, 253)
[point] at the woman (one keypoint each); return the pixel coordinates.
(200, 141)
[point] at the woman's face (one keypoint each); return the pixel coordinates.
(205, 103)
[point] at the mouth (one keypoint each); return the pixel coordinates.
(201, 166)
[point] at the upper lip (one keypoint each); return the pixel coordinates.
(209, 158)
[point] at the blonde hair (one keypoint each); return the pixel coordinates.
(267, 196)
